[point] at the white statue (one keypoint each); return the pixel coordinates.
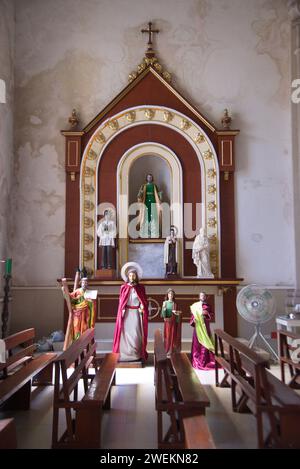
(106, 230)
(201, 255)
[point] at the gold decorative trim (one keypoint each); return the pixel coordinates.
(168, 116)
(87, 255)
(92, 155)
(207, 155)
(130, 116)
(147, 63)
(73, 176)
(149, 113)
(100, 138)
(113, 124)
(88, 172)
(199, 138)
(184, 124)
(88, 206)
(73, 142)
(88, 189)
(211, 206)
(211, 173)
(212, 189)
(88, 222)
(212, 222)
(88, 238)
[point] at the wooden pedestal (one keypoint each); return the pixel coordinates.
(103, 274)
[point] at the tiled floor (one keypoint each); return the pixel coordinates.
(131, 422)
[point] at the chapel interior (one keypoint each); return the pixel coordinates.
(160, 138)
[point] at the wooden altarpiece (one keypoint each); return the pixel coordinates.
(149, 113)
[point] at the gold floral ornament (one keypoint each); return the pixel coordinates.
(88, 172)
(208, 155)
(199, 138)
(212, 222)
(88, 222)
(149, 114)
(213, 256)
(212, 189)
(130, 116)
(92, 155)
(185, 124)
(100, 138)
(88, 189)
(88, 238)
(88, 206)
(213, 239)
(150, 62)
(87, 255)
(168, 116)
(113, 124)
(211, 173)
(211, 206)
(73, 119)
(90, 272)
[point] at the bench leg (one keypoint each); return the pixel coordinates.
(20, 400)
(107, 402)
(44, 377)
(88, 428)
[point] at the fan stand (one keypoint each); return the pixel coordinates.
(257, 334)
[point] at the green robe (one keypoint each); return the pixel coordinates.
(202, 335)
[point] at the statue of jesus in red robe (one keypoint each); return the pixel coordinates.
(131, 330)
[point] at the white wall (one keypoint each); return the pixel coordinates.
(79, 54)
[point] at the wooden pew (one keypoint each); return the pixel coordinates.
(82, 416)
(22, 369)
(275, 406)
(285, 340)
(8, 436)
(180, 395)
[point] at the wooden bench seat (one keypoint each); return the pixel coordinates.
(82, 416)
(8, 436)
(275, 406)
(180, 396)
(197, 433)
(22, 369)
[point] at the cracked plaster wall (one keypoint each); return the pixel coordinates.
(78, 53)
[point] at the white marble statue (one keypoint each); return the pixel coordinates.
(201, 255)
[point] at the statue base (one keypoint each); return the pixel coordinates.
(172, 276)
(103, 274)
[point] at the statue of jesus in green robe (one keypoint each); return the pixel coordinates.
(150, 199)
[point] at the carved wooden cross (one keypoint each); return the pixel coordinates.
(150, 31)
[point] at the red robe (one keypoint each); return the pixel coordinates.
(124, 295)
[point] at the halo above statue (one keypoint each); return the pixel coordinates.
(131, 266)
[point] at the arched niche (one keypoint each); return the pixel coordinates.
(134, 165)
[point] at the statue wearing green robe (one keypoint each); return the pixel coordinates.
(150, 198)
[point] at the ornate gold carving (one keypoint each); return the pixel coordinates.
(100, 138)
(88, 222)
(226, 120)
(90, 272)
(226, 175)
(88, 189)
(212, 189)
(88, 238)
(88, 172)
(113, 124)
(73, 176)
(87, 255)
(211, 173)
(211, 206)
(130, 116)
(149, 114)
(168, 116)
(73, 120)
(213, 239)
(150, 62)
(92, 155)
(207, 155)
(199, 138)
(213, 256)
(212, 222)
(88, 205)
(185, 124)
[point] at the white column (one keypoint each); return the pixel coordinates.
(294, 13)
